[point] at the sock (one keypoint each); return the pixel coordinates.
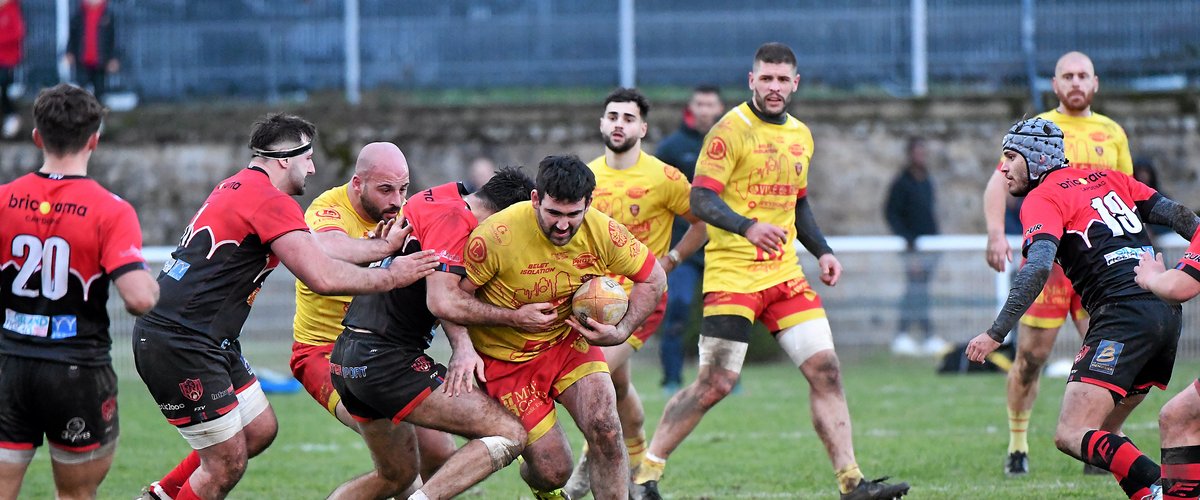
(174, 480)
(651, 469)
(1181, 472)
(418, 495)
(848, 478)
(186, 493)
(1133, 470)
(1018, 424)
(636, 446)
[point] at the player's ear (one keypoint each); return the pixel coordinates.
(37, 139)
(533, 197)
(93, 141)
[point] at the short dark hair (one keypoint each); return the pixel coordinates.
(565, 178)
(707, 88)
(622, 94)
(277, 128)
(775, 53)
(509, 185)
(65, 117)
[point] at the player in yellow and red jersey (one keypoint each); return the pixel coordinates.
(541, 251)
(1093, 142)
(751, 188)
(646, 195)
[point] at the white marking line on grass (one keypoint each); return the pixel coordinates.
(882, 432)
(322, 447)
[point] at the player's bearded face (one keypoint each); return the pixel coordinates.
(772, 85)
(557, 219)
(622, 126)
(1016, 173)
(299, 168)
(383, 196)
(1075, 85)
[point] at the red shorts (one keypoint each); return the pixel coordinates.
(528, 389)
(779, 307)
(310, 365)
(1058, 298)
(644, 332)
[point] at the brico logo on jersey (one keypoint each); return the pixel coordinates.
(717, 149)
(1082, 181)
(45, 208)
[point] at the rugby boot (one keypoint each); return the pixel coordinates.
(876, 489)
(644, 491)
(1017, 464)
(153, 492)
(550, 495)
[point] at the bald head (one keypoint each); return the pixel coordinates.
(380, 182)
(1075, 83)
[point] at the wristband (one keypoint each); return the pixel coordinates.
(673, 256)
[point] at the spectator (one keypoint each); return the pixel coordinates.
(12, 34)
(910, 213)
(1144, 172)
(92, 45)
(479, 172)
(680, 150)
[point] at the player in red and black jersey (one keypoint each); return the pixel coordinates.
(380, 368)
(63, 239)
(186, 348)
(1093, 224)
(1179, 420)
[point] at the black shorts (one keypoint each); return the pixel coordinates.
(74, 406)
(191, 377)
(379, 379)
(1129, 347)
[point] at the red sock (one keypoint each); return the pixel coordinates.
(186, 493)
(173, 482)
(1134, 471)
(1181, 472)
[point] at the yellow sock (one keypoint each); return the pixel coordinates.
(651, 469)
(636, 446)
(848, 478)
(1018, 425)
(549, 495)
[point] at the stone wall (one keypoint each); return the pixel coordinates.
(165, 159)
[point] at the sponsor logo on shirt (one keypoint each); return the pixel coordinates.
(1033, 229)
(585, 260)
(538, 268)
(1098, 136)
(328, 213)
(636, 192)
(45, 208)
(1126, 253)
(717, 149)
(618, 234)
(32, 325)
(1082, 181)
(796, 149)
(477, 249)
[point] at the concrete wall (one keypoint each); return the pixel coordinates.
(165, 159)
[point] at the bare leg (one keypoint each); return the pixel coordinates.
(830, 414)
(393, 451)
(223, 464)
(591, 401)
(1084, 408)
(1179, 420)
(473, 415)
(1033, 348)
(80, 481)
(684, 411)
(435, 448)
(11, 476)
(547, 461)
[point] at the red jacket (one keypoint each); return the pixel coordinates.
(12, 33)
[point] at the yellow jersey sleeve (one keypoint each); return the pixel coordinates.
(318, 318)
(1093, 142)
(513, 264)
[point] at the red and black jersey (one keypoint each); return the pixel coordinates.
(1190, 262)
(441, 221)
(1093, 217)
(62, 240)
(211, 279)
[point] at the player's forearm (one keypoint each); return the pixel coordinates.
(692, 240)
(1026, 286)
(457, 336)
(343, 278)
(708, 206)
(452, 303)
(339, 245)
(994, 198)
(1174, 285)
(1169, 213)
(643, 299)
(807, 230)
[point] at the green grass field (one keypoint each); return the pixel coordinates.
(946, 435)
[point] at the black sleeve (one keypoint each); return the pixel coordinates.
(807, 230)
(1162, 210)
(708, 206)
(1026, 286)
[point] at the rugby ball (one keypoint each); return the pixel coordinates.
(602, 299)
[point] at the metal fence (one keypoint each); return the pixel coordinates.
(178, 49)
